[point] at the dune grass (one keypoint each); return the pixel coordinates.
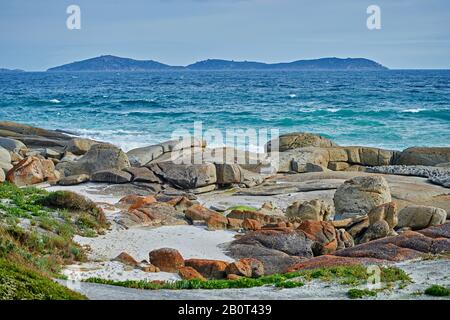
(437, 291)
(361, 293)
(20, 283)
(36, 239)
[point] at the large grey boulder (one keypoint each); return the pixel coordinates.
(12, 145)
(13, 129)
(73, 180)
(424, 156)
(5, 166)
(5, 161)
(421, 217)
(143, 174)
(34, 138)
(111, 176)
(141, 156)
(276, 249)
(296, 140)
(79, 146)
(297, 160)
(5, 157)
(359, 195)
(99, 157)
(185, 176)
(317, 210)
(228, 173)
(2, 176)
(366, 156)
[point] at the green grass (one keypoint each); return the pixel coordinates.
(37, 229)
(242, 208)
(437, 291)
(353, 274)
(358, 293)
(289, 284)
(19, 283)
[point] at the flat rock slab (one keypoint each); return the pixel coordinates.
(332, 261)
(276, 249)
(406, 246)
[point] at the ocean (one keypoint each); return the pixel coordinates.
(392, 109)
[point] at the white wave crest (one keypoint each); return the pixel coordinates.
(413, 110)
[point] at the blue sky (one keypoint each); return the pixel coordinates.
(414, 34)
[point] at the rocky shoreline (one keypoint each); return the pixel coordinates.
(305, 203)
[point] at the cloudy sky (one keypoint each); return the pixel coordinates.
(414, 33)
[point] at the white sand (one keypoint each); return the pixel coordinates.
(191, 241)
(113, 270)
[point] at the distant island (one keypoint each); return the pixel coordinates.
(109, 63)
(3, 70)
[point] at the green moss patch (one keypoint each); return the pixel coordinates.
(242, 208)
(437, 291)
(358, 293)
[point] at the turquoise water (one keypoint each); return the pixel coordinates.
(390, 109)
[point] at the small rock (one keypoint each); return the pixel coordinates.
(229, 173)
(247, 267)
(185, 176)
(125, 258)
(189, 273)
(148, 267)
(210, 269)
(233, 277)
(387, 212)
(377, 230)
(298, 140)
(323, 234)
(234, 223)
(12, 144)
(216, 221)
(317, 210)
(166, 259)
(420, 217)
(239, 268)
(338, 166)
(79, 146)
(142, 174)
(198, 212)
(73, 180)
(251, 224)
(32, 170)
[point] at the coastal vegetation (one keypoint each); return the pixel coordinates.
(354, 275)
(437, 291)
(36, 237)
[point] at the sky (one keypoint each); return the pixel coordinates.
(414, 33)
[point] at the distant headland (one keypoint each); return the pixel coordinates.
(3, 70)
(111, 63)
